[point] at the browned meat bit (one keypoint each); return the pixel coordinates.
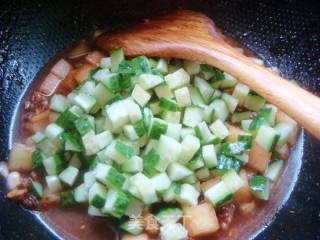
(30, 201)
(225, 215)
(17, 194)
(37, 104)
(150, 224)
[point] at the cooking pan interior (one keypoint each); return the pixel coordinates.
(285, 34)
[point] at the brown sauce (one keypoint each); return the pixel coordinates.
(74, 223)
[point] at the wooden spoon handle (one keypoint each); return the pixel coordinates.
(190, 35)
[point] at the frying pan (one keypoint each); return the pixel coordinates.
(286, 34)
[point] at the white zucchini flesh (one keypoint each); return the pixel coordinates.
(190, 145)
(188, 195)
(219, 129)
(169, 150)
(209, 155)
(178, 171)
(69, 175)
(192, 116)
(54, 184)
(173, 232)
(160, 182)
(141, 96)
(148, 81)
(183, 97)
(145, 188)
(177, 79)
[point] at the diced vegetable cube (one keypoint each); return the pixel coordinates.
(133, 165)
(145, 188)
(209, 155)
(140, 95)
(177, 171)
(109, 176)
(169, 150)
(116, 204)
(200, 220)
(133, 226)
(148, 81)
(81, 194)
(260, 187)
(204, 88)
(183, 97)
(177, 79)
(192, 116)
(219, 129)
(188, 195)
(173, 231)
(69, 175)
(163, 90)
(220, 109)
(240, 92)
(116, 57)
(97, 195)
(218, 194)
(20, 158)
(169, 215)
(54, 184)
(161, 182)
(85, 101)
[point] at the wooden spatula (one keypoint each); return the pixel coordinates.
(191, 35)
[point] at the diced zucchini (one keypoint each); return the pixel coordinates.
(58, 103)
(95, 212)
(97, 195)
(104, 139)
(267, 137)
(148, 81)
(232, 180)
(245, 124)
(174, 130)
(231, 101)
(168, 104)
(52, 131)
(140, 95)
(204, 88)
(102, 94)
(220, 109)
(162, 66)
(173, 231)
(185, 131)
(192, 116)
(177, 79)
(163, 90)
(240, 92)
(130, 132)
(169, 215)
(196, 98)
(169, 150)
(72, 142)
(119, 151)
(260, 187)
(85, 101)
(144, 187)
(274, 170)
(150, 160)
(160, 182)
(37, 158)
(116, 204)
(183, 97)
(133, 165)
(228, 81)
(109, 176)
(171, 117)
(118, 114)
(81, 193)
(188, 195)
(218, 194)
(196, 162)
(203, 132)
(157, 128)
(90, 143)
(38, 137)
(53, 184)
(285, 130)
(35, 188)
(177, 171)
(254, 102)
(69, 175)
(209, 155)
(116, 57)
(54, 165)
(219, 129)
(67, 198)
